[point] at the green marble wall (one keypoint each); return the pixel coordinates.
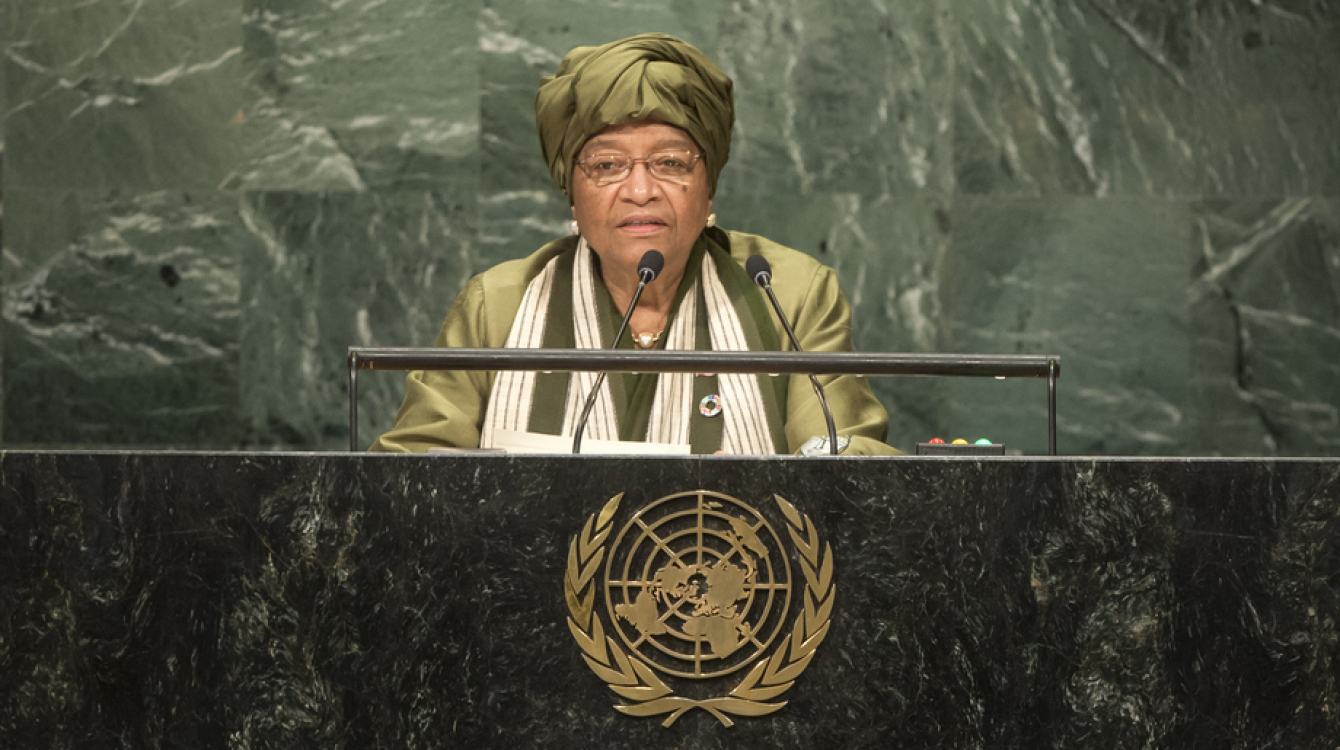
(207, 201)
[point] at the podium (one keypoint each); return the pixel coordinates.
(355, 600)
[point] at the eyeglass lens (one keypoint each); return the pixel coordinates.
(606, 169)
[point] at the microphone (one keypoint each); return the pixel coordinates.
(760, 270)
(648, 268)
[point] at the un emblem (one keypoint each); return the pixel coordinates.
(698, 586)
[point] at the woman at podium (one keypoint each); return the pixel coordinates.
(635, 133)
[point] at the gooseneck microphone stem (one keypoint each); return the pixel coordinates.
(761, 271)
(648, 268)
(600, 379)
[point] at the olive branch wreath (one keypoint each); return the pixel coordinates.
(647, 693)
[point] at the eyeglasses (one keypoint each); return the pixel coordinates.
(607, 169)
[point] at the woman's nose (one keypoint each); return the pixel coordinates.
(640, 182)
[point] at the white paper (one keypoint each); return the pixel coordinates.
(514, 441)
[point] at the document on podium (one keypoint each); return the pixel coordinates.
(515, 441)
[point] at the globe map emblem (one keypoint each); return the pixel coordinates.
(698, 584)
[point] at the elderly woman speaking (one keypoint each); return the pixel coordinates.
(635, 133)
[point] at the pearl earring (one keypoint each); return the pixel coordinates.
(572, 227)
(711, 220)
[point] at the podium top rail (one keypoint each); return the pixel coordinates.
(1043, 366)
(781, 363)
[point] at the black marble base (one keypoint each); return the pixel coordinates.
(363, 601)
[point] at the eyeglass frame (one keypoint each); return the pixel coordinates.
(694, 159)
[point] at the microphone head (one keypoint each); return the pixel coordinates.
(759, 269)
(650, 266)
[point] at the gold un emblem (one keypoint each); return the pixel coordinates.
(697, 586)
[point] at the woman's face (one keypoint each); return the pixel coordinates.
(623, 220)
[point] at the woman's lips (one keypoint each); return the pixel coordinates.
(641, 225)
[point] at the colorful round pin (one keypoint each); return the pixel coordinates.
(710, 406)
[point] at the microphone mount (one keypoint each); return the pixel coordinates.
(760, 270)
(648, 268)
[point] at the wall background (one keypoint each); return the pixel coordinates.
(206, 201)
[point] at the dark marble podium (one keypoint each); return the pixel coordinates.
(363, 601)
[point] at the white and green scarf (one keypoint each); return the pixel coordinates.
(708, 316)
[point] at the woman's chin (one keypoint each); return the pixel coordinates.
(627, 248)
(633, 247)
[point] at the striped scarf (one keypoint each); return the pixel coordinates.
(746, 427)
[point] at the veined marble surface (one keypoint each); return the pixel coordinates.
(356, 600)
(206, 202)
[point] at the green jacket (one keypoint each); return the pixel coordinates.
(446, 408)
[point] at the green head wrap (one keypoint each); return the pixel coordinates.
(645, 76)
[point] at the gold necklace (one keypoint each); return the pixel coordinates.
(647, 340)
